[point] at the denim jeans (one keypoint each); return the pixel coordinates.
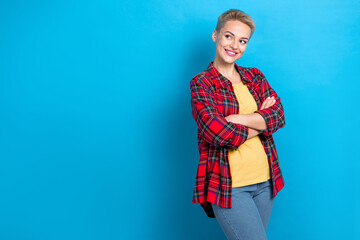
(249, 215)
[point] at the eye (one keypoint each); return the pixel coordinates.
(242, 41)
(228, 36)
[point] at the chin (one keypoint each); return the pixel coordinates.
(229, 61)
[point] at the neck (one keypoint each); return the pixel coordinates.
(226, 69)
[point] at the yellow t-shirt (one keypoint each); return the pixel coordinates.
(249, 163)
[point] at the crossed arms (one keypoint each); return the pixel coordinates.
(233, 130)
(254, 121)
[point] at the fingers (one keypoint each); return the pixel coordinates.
(268, 103)
(272, 101)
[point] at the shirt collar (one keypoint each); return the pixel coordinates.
(222, 79)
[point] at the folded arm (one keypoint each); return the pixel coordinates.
(213, 126)
(274, 115)
(270, 117)
(252, 120)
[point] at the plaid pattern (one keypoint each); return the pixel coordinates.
(213, 98)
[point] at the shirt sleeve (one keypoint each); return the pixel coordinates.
(213, 126)
(274, 115)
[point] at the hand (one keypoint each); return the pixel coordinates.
(230, 118)
(235, 118)
(268, 103)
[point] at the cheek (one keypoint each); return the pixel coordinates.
(243, 48)
(219, 46)
(222, 42)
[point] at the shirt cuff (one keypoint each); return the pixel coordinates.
(264, 113)
(241, 137)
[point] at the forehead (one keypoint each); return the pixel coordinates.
(236, 27)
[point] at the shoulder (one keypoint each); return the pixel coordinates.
(204, 79)
(253, 73)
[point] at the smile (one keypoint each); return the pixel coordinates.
(230, 53)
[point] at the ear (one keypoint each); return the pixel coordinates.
(214, 35)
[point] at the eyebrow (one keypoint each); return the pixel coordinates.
(234, 35)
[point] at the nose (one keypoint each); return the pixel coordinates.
(234, 45)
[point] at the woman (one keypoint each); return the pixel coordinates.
(237, 112)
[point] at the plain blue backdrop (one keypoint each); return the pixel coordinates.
(97, 140)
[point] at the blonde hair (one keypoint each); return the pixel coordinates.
(235, 14)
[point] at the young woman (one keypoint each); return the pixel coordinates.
(237, 112)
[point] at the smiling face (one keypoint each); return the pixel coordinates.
(231, 41)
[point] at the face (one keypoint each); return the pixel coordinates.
(231, 41)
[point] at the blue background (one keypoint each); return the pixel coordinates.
(97, 140)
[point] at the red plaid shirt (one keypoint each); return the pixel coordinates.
(213, 98)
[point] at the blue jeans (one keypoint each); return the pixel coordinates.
(249, 215)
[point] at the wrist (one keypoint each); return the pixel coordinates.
(252, 133)
(235, 118)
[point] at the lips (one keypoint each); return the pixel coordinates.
(230, 53)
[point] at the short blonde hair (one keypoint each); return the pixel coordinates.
(235, 14)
